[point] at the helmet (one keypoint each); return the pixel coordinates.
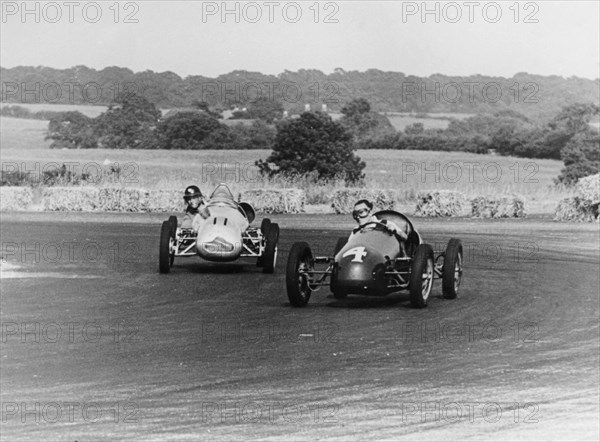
(190, 192)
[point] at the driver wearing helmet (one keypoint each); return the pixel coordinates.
(194, 212)
(362, 215)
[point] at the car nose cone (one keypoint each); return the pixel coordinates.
(218, 245)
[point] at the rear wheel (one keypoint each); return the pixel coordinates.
(452, 270)
(264, 225)
(165, 257)
(300, 262)
(421, 276)
(270, 256)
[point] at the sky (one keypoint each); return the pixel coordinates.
(211, 38)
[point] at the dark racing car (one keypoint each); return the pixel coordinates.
(376, 262)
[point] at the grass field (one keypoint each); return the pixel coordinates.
(23, 146)
(89, 110)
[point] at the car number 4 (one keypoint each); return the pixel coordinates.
(358, 252)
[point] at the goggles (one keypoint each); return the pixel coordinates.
(362, 213)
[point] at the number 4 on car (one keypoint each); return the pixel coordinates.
(376, 262)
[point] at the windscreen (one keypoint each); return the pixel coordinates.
(222, 192)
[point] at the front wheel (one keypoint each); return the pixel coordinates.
(265, 225)
(270, 256)
(297, 278)
(173, 221)
(452, 269)
(421, 276)
(165, 256)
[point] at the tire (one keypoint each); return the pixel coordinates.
(341, 242)
(164, 254)
(452, 269)
(173, 222)
(270, 256)
(421, 276)
(264, 228)
(300, 258)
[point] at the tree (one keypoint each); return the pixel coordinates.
(362, 123)
(581, 157)
(186, 130)
(575, 118)
(204, 106)
(261, 109)
(358, 106)
(313, 142)
(127, 124)
(71, 130)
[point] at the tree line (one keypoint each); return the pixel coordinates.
(314, 142)
(537, 97)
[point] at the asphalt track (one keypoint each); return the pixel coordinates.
(97, 345)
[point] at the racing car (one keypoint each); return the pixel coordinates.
(225, 235)
(376, 262)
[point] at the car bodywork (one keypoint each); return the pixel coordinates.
(375, 262)
(223, 234)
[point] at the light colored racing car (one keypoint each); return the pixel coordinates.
(224, 235)
(374, 263)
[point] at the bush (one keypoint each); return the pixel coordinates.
(512, 206)
(581, 157)
(343, 200)
(438, 203)
(313, 142)
(576, 209)
(186, 130)
(428, 141)
(276, 201)
(588, 189)
(15, 198)
(364, 124)
(585, 205)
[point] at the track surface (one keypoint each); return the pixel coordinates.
(215, 352)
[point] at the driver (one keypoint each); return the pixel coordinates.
(195, 210)
(362, 215)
